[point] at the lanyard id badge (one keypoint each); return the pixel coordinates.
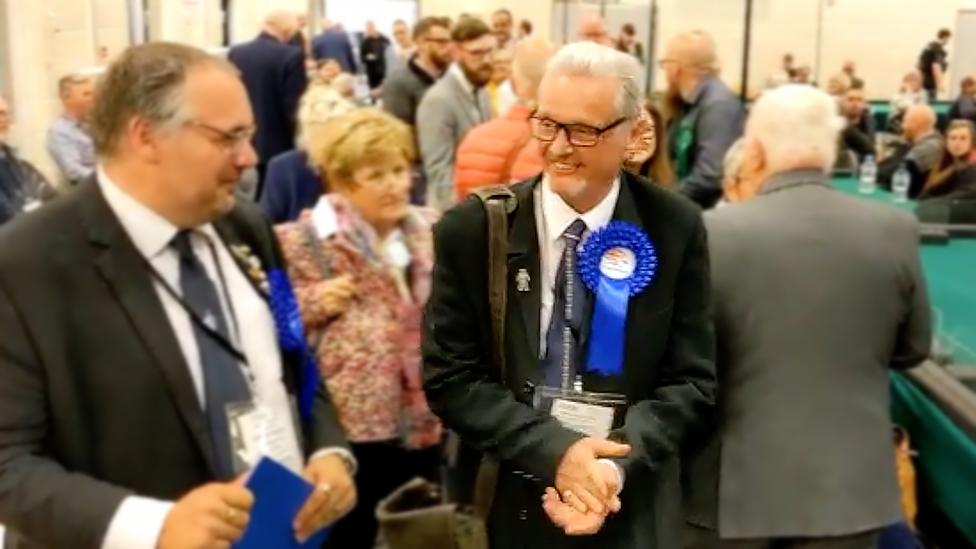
(589, 413)
(264, 428)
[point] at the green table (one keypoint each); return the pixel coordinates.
(881, 111)
(946, 461)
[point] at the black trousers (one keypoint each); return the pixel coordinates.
(383, 467)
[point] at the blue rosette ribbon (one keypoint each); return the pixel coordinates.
(616, 263)
(291, 338)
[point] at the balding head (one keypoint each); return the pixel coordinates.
(531, 57)
(592, 28)
(793, 127)
(689, 57)
(282, 25)
(919, 121)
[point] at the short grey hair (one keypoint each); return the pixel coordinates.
(796, 121)
(146, 81)
(69, 81)
(592, 59)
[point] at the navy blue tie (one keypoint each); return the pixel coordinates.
(223, 379)
(562, 339)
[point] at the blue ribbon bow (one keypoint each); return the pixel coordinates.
(613, 289)
(291, 338)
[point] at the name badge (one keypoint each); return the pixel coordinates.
(264, 428)
(592, 420)
(588, 413)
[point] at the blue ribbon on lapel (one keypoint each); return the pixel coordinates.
(616, 262)
(291, 338)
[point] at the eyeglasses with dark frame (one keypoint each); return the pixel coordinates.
(579, 135)
(230, 141)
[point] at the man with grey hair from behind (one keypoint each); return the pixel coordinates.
(137, 336)
(810, 315)
(603, 462)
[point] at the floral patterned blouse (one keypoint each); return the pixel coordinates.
(369, 355)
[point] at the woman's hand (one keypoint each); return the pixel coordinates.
(337, 293)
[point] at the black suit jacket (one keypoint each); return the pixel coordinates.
(274, 75)
(668, 371)
(96, 400)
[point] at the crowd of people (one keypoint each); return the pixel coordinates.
(149, 311)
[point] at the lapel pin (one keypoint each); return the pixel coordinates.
(522, 280)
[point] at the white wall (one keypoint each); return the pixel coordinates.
(884, 37)
(48, 38)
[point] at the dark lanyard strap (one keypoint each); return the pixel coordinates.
(220, 338)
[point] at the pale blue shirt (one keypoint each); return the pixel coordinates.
(72, 150)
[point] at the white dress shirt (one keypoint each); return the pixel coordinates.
(139, 520)
(552, 217)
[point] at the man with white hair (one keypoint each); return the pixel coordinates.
(648, 371)
(810, 315)
(274, 75)
(710, 115)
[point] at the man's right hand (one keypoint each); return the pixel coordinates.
(213, 516)
(580, 479)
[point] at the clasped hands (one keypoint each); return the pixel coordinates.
(586, 490)
(216, 515)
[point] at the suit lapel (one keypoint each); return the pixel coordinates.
(466, 101)
(239, 249)
(523, 256)
(126, 273)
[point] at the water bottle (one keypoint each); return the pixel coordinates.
(868, 181)
(900, 183)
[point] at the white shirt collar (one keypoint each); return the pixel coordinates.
(150, 232)
(459, 74)
(558, 215)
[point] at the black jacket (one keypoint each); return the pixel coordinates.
(96, 400)
(668, 375)
(274, 75)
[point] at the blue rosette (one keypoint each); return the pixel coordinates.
(291, 338)
(616, 263)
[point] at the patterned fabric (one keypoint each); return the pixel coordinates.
(369, 355)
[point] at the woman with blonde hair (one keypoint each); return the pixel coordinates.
(360, 262)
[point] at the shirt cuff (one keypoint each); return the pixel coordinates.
(621, 475)
(137, 524)
(346, 456)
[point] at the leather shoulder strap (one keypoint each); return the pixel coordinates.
(499, 202)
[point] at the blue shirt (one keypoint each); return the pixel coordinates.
(72, 150)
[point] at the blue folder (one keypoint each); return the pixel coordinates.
(278, 496)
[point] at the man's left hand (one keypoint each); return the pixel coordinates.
(565, 516)
(334, 495)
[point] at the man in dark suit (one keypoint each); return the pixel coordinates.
(134, 319)
(273, 72)
(810, 316)
(588, 104)
(334, 43)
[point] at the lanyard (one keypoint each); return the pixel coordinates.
(220, 338)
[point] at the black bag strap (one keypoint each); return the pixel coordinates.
(499, 202)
